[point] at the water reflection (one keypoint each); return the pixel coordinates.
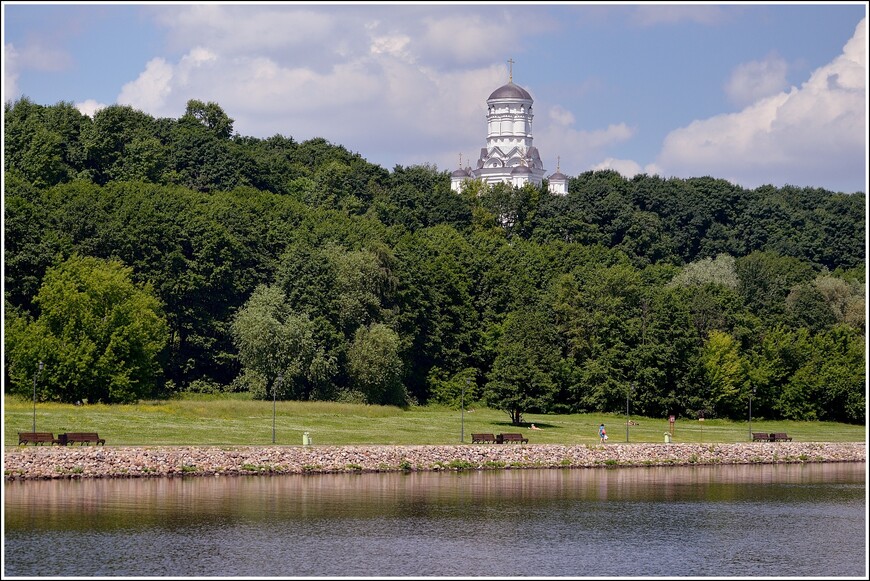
(582, 522)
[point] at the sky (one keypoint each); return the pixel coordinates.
(752, 93)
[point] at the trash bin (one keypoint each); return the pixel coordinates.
(667, 438)
(306, 439)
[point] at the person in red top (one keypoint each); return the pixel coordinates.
(602, 433)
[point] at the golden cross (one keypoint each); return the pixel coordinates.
(460, 161)
(511, 63)
(558, 159)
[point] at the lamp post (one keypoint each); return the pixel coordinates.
(35, 375)
(462, 413)
(627, 416)
(278, 382)
(750, 412)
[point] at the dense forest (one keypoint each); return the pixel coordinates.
(145, 257)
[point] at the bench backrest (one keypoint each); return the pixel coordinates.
(512, 436)
(82, 436)
(36, 438)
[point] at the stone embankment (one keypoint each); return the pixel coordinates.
(43, 462)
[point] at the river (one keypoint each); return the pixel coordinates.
(755, 520)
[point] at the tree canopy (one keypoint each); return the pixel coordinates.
(199, 258)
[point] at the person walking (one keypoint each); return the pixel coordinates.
(602, 433)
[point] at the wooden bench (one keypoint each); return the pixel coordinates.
(82, 438)
(482, 438)
(761, 437)
(780, 437)
(37, 438)
(507, 438)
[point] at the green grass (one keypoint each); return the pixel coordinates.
(236, 419)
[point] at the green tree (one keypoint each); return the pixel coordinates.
(202, 157)
(826, 376)
(211, 116)
(99, 334)
(720, 270)
(123, 144)
(43, 143)
(599, 313)
(374, 366)
(806, 307)
(436, 316)
(524, 376)
(30, 246)
(455, 389)
(766, 278)
(724, 373)
(274, 341)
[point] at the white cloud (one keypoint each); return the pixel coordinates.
(149, 91)
(381, 96)
(41, 57)
(755, 80)
(10, 72)
(462, 40)
(242, 30)
(810, 135)
(626, 167)
(561, 116)
(89, 107)
(38, 57)
(578, 149)
(395, 46)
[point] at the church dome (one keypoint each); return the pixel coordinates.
(558, 176)
(510, 91)
(520, 169)
(461, 173)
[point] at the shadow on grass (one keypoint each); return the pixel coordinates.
(525, 425)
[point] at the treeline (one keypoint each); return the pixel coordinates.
(148, 256)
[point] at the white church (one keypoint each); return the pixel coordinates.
(509, 156)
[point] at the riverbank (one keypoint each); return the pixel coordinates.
(50, 462)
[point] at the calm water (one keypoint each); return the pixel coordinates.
(769, 520)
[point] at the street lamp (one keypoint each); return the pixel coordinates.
(750, 413)
(274, 389)
(35, 375)
(462, 407)
(627, 392)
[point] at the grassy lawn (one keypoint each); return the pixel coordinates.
(237, 419)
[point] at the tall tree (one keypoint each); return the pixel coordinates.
(524, 375)
(724, 373)
(374, 365)
(274, 341)
(211, 116)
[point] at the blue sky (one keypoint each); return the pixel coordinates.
(752, 93)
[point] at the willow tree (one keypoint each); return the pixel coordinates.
(277, 348)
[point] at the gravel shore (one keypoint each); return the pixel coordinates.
(46, 462)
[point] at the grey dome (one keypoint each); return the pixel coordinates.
(520, 169)
(460, 173)
(510, 91)
(558, 176)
